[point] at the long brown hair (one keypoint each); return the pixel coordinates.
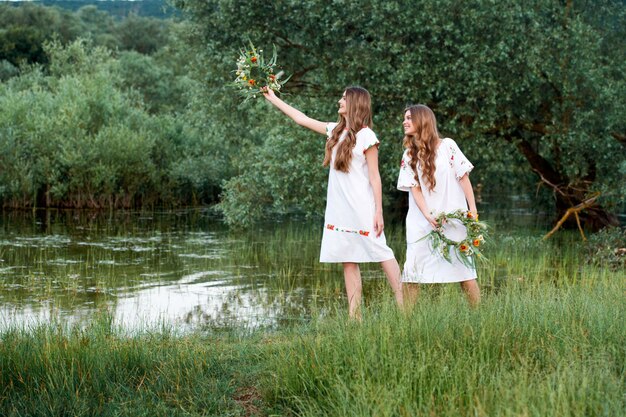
(423, 144)
(358, 115)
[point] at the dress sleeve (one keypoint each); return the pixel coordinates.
(329, 129)
(366, 138)
(458, 161)
(406, 178)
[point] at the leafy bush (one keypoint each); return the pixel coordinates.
(608, 247)
(76, 136)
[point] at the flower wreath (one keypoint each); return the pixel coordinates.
(254, 73)
(466, 249)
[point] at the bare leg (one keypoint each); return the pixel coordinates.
(411, 292)
(471, 291)
(392, 270)
(352, 277)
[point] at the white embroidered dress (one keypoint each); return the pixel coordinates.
(422, 265)
(349, 234)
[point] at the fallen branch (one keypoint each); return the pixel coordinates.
(574, 210)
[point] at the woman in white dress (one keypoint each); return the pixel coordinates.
(436, 174)
(353, 221)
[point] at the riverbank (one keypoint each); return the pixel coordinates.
(532, 348)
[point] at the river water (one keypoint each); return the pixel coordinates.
(182, 269)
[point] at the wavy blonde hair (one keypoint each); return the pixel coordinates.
(423, 144)
(358, 115)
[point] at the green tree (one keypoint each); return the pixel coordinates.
(24, 29)
(142, 34)
(98, 25)
(162, 89)
(76, 136)
(532, 89)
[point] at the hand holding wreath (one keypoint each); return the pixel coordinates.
(465, 249)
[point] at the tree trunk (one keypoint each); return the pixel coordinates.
(567, 195)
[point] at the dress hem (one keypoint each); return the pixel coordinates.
(357, 261)
(417, 281)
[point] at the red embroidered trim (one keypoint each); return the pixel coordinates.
(347, 230)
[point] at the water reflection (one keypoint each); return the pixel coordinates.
(182, 268)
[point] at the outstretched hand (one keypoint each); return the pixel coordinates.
(268, 93)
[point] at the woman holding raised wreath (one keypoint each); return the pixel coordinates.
(353, 221)
(436, 174)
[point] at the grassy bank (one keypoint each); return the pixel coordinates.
(49, 371)
(528, 350)
(542, 351)
(547, 340)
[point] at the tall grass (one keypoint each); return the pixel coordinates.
(547, 340)
(55, 371)
(529, 350)
(538, 350)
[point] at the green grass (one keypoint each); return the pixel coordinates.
(541, 351)
(528, 350)
(547, 340)
(55, 371)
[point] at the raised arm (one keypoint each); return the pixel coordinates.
(295, 114)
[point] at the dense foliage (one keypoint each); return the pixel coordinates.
(24, 30)
(607, 248)
(524, 87)
(81, 135)
(118, 8)
(139, 112)
(93, 112)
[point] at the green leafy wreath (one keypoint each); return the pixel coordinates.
(254, 73)
(467, 249)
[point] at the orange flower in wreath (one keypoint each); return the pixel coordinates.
(253, 59)
(251, 82)
(463, 247)
(476, 242)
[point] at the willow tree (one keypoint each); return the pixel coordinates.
(539, 83)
